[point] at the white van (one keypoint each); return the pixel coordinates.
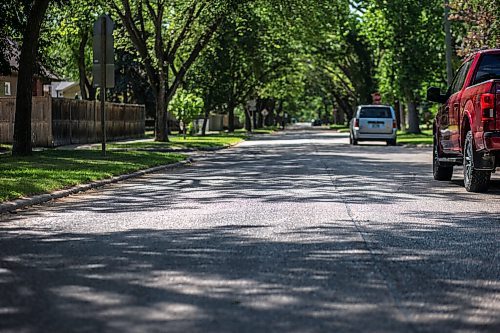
(374, 123)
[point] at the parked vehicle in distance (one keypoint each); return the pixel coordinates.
(316, 122)
(373, 123)
(467, 126)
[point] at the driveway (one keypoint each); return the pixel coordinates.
(294, 232)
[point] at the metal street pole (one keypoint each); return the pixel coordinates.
(103, 83)
(449, 51)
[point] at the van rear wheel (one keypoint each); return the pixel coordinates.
(352, 140)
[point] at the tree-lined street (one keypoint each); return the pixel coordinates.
(235, 190)
(294, 232)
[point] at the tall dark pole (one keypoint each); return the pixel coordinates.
(103, 83)
(449, 51)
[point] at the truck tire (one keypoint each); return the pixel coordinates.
(392, 142)
(476, 181)
(440, 172)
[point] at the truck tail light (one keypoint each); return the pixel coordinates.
(394, 124)
(487, 106)
(356, 123)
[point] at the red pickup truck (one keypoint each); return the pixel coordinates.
(467, 126)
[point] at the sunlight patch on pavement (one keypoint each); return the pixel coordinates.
(288, 142)
(90, 295)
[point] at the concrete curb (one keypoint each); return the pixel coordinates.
(421, 146)
(11, 206)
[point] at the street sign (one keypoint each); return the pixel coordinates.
(265, 113)
(252, 105)
(377, 98)
(104, 50)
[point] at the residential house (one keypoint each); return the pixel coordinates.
(8, 82)
(66, 89)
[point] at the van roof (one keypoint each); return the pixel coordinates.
(374, 106)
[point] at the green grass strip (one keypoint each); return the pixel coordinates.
(5, 148)
(191, 142)
(415, 139)
(52, 170)
(339, 127)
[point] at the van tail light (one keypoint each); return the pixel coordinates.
(394, 124)
(487, 106)
(356, 123)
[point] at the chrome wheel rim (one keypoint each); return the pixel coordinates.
(468, 163)
(436, 158)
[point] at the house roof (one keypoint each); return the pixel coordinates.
(61, 86)
(13, 55)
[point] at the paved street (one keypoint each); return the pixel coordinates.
(295, 232)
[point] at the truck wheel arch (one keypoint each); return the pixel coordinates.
(466, 125)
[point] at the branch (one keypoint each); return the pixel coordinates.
(135, 36)
(342, 81)
(157, 21)
(199, 46)
(193, 14)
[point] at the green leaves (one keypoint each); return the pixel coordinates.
(408, 41)
(186, 107)
(481, 19)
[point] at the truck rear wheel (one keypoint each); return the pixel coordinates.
(440, 172)
(474, 180)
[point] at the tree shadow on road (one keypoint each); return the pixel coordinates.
(228, 278)
(224, 279)
(371, 174)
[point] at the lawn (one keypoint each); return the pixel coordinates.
(339, 127)
(52, 170)
(191, 142)
(403, 138)
(4, 147)
(415, 139)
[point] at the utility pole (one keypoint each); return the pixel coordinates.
(449, 51)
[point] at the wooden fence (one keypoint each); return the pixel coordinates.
(40, 121)
(57, 121)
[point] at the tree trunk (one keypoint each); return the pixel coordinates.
(248, 120)
(398, 114)
(22, 127)
(342, 117)
(81, 64)
(278, 113)
(230, 111)
(162, 101)
(327, 116)
(413, 119)
(205, 122)
(254, 121)
(345, 108)
(161, 119)
(91, 90)
(260, 120)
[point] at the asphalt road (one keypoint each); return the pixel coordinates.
(296, 232)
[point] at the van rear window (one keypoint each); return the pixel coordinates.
(375, 113)
(489, 68)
